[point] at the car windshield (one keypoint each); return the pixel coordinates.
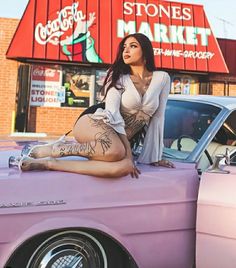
(185, 124)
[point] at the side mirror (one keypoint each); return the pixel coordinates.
(217, 165)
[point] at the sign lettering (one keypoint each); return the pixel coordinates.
(152, 10)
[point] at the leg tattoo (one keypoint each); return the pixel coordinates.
(104, 140)
(83, 149)
(87, 149)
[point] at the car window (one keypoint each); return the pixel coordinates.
(185, 124)
(227, 133)
(233, 159)
(224, 139)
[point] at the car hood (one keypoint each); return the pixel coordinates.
(51, 190)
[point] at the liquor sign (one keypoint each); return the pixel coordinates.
(46, 87)
(90, 30)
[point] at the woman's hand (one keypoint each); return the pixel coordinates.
(135, 172)
(164, 163)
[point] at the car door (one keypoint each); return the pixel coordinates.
(216, 207)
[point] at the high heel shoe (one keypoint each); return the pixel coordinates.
(34, 151)
(26, 149)
(13, 161)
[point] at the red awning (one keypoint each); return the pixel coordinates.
(89, 31)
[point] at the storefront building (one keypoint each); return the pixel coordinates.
(62, 49)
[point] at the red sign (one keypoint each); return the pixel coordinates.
(90, 30)
(43, 73)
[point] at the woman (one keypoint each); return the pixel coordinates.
(135, 97)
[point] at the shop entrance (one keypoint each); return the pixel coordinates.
(22, 98)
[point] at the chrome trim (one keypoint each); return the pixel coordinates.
(76, 232)
(208, 135)
(23, 204)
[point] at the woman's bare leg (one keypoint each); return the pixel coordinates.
(87, 167)
(95, 140)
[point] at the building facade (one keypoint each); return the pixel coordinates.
(53, 63)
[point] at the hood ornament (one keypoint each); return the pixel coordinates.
(217, 167)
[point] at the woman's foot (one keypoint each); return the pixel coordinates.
(27, 164)
(46, 150)
(41, 151)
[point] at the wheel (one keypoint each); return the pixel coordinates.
(69, 249)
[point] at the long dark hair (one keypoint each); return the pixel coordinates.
(119, 67)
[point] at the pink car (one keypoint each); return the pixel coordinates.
(168, 218)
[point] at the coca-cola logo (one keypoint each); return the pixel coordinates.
(54, 29)
(44, 72)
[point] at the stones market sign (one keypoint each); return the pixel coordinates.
(89, 31)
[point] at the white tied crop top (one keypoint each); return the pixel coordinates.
(148, 109)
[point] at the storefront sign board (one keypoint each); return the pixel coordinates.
(89, 31)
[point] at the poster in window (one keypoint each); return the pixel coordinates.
(184, 84)
(77, 83)
(176, 85)
(46, 89)
(100, 78)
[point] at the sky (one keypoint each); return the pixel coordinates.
(221, 14)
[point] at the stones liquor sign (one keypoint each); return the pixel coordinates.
(89, 31)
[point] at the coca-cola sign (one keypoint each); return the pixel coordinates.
(54, 30)
(43, 73)
(83, 31)
(70, 28)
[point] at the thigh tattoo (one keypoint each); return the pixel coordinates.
(89, 148)
(86, 148)
(105, 140)
(100, 124)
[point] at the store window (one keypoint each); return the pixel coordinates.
(46, 86)
(78, 84)
(100, 77)
(204, 88)
(58, 86)
(184, 84)
(81, 85)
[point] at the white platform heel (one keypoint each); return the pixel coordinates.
(31, 151)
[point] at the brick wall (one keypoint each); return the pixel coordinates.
(217, 89)
(53, 121)
(232, 90)
(221, 89)
(8, 76)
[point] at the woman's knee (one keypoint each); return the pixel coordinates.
(116, 153)
(122, 168)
